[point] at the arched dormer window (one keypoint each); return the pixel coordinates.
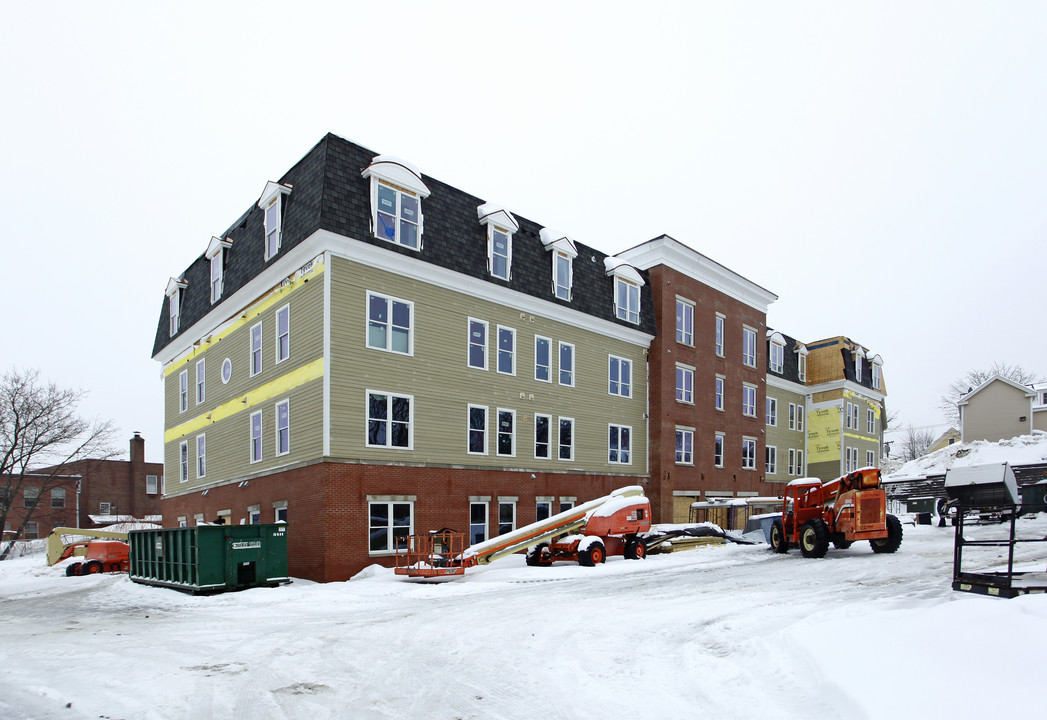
(500, 228)
(272, 204)
(563, 254)
(876, 362)
(776, 352)
(627, 284)
(858, 353)
(216, 257)
(801, 361)
(175, 286)
(397, 191)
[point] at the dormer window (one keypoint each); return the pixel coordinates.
(627, 283)
(216, 256)
(174, 303)
(500, 228)
(801, 362)
(563, 253)
(858, 354)
(877, 373)
(397, 190)
(271, 203)
(776, 353)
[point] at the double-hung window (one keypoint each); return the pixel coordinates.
(566, 439)
(718, 393)
(506, 516)
(563, 252)
(857, 368)
(174, 305)
(870, 421)
(749, 400)
(283, 333)
(772, 460)
(684, 446)
(749, 346)
(542, 428)
(720, 321)
(748, 453)
(684, 322)
(506, 433)
(543, 359)
(200, 381)
(619, 374)
(567, 364)
(718, 441)
(627, 300)
(201, 456)
(777, 359)
(801, 366)
(500, 258)
(477, 430)
(283, 427)
(684, 384)
(619, 444)
(870, 458)
(876, 374)
(477, 344)
(772, 411)
(256, 436)
(506, 350)
(58, 497)
(389, 420)
(398, 216)
(477, 522)
(563, 275)
(215, 255)
(271, 205)
(389, 526)
(389, 324)
(183, 391)
(183, 461)
(256, 349)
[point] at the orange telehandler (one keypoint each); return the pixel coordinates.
(850, 508)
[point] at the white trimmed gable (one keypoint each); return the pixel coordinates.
(491, 214)
(555, 240)
(398, 172)
(216, 246)
(272, 190)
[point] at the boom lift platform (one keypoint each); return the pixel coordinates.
(591, 531)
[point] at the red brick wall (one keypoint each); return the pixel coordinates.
(328, 518)
(666, 413)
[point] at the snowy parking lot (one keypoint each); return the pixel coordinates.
(727, 631)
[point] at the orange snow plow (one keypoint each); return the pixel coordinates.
(585, 534)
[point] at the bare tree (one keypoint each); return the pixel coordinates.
(41, 435)
(915, 442)
(948, 403)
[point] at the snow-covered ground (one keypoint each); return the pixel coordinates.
(1020, 450)
(726, 632)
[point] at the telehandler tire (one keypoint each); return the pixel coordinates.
(814, 538)
(592, 555)
(778, 541)
(893, 540)
(537, 557)
(635, 549)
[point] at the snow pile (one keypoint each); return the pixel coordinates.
(1021, 450)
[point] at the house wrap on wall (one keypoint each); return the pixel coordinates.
(367, 352)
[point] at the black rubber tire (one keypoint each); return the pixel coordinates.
(893, 541)
(842, 544)
(73, 569)
(537, 557)
(814, 538)
(92, 568)
(592, 555)
(635, 549)
(779, 543)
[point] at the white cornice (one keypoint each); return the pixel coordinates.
(849, 386)
(788, 385)
(382, 259)
(672, 253)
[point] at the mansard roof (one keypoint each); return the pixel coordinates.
(328, 191)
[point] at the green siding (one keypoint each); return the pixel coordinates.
(442, 384)
(780, 436)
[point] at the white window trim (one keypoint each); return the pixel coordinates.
(260, 350)
(273, 193)
(719, 392)
(155, 480)
(747, 440)
(389, 324)
(574, 441)
(276, 427)
(720, 334)
(629, 383)
(183, 461)
(549, 440)
(687, 431)
(390, 540)
(870, 421)
(632, 290)
(747, 409)
(687, 332)
(771, 459)
(251, 435)
(491, 230)
(567, 289)
(687, 370)
(389, 420)
(201, 457)
(498, 432)
(183, 390)
(285, 309)
(574, 364)
(629, 450)
(174, 304)
(772, 416)
(721, 440)
(749, 360)
(201, 381)
(469, 343)
(549, 367)
(503, 502)
(498, 350)
(469, 428)
(498, 219)
(487, 519)
(776, 361)
(870, 458)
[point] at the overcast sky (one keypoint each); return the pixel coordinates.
(881, 167)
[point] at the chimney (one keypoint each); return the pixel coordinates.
(137, 449)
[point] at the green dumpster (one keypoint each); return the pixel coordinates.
(210, 558)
